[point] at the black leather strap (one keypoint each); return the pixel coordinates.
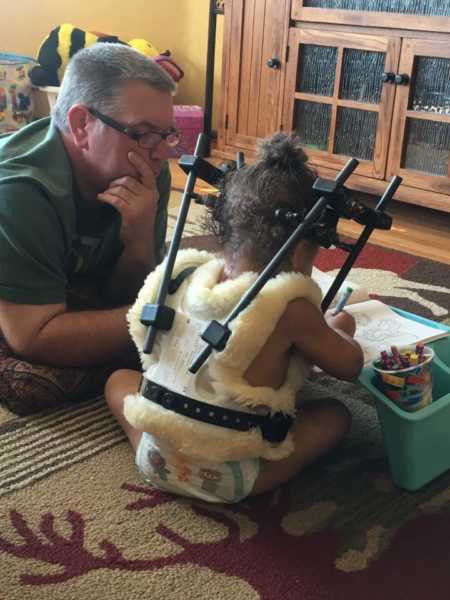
(175, 283)
(274, 428)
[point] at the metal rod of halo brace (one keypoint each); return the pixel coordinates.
(220, 331)
(359, 245)
(158, 316)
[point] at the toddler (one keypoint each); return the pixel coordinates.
(238, 427)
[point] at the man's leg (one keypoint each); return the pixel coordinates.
(26, 388)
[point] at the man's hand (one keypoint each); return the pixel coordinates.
(136, 199)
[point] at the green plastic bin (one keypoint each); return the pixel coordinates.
(418, 443)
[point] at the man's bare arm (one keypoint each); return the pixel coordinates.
(129, 275)
(48, 334)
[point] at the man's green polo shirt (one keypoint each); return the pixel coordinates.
(49, 236)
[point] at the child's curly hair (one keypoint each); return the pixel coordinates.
(245, 212)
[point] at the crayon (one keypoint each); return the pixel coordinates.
(420, 348)
(343, 300)
(396, 356)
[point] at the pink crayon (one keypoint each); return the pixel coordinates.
(396, 355)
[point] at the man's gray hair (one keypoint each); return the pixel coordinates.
(95, 76)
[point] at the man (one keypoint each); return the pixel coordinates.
(83, 207)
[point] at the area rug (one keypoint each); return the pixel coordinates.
(78, 523)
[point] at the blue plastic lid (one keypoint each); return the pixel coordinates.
(15, 58)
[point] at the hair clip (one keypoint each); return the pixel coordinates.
(285, 216)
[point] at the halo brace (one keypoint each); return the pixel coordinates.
(319, 224)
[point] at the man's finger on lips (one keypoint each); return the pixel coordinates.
(143, 168)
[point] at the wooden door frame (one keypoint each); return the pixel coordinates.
(410, 49)
(375, 168)
(368, 18)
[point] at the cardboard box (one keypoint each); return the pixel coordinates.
(189, 120)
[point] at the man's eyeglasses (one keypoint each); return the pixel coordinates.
(148, 139)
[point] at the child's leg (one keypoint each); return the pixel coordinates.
(318, 428)
(120, 384)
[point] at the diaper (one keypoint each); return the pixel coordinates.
(166, 470)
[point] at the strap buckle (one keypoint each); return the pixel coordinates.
(275, 428)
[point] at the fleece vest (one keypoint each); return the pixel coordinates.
(220, 382)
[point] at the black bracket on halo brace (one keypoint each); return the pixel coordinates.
(159, 316)
(331, 200)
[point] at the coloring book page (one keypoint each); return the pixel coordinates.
(378, 328)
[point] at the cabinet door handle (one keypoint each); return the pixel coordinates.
(273, 63)
(388, 77)
(402, 79)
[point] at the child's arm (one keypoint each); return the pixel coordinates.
(324, 341)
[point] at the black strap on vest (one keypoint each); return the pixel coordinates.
(175, 283)
(274, 428)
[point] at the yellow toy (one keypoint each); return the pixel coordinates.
(57, 49)
(144, 47)
(163, 58)
(65, 40)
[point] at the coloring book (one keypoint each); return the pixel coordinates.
(378, 327)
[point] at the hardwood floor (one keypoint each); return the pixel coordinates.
(416, 230)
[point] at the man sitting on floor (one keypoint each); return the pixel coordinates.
(83, 216)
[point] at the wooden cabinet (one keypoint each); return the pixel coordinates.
(335, 97)
(420, 139)
(253, 70)
(373, 84)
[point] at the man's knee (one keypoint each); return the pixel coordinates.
(26, 388)
(25, 392)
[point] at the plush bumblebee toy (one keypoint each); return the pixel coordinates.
(65, 40)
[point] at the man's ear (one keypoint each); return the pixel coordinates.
(78, 119)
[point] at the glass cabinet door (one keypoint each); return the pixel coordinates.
(339, 97)
(430, 8)
(420, 142)
(428, 15)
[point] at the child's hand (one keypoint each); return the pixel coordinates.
(343, 321)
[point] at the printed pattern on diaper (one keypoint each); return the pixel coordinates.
(210, 479)
(173, 472)
(158, 464)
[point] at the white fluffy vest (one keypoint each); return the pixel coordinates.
(203, 297)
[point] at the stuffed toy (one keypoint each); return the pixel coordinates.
(163, 58)
(65, 40)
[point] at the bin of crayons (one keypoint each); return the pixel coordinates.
(404, 376)
(417, 443)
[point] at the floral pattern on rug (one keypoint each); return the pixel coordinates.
(77, 522)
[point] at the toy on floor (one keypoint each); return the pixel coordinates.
(65, 40)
